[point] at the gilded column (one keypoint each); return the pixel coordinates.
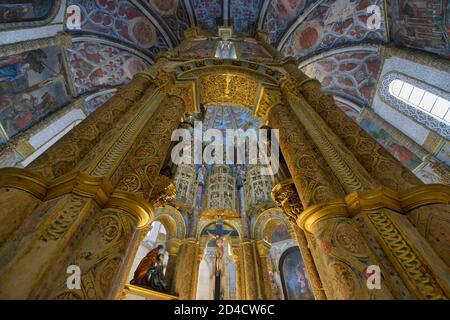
(343, 253)
(311, 269)
(250, 275)
(286, 197)
(351, 175)
(433, 223)
(310, 180)
(186, 268)
(380, 214)
(55, 224)
(240, 290)
(263, 255)
(150, 150)
(378, 162)
(102, 256)
(173, 248)
(64, 155)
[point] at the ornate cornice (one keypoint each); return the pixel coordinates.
(42, 188)
(62, 40)
(152, 295)
(359, 201)
(134, 205)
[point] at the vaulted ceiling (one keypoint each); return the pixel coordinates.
(333, 39)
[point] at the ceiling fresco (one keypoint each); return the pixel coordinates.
(121, 21)
(299, 28)
(172, 14)
(281, 14)
(351, 75)
(332, 24)
(97, 66)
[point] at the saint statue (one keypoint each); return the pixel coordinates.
(142, 273)
(156, 279)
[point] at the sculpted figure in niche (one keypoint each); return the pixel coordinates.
(142, 274)
(156, 279)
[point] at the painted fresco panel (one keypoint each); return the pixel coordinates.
(296, 284)
(421, 24)
(28, 107)
(21, 11)
(444, 154)
(32, 86)
(404, 155)
(280, 233)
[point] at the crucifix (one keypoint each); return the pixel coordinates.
(219, 234)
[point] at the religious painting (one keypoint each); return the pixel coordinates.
(97, 66)
(280, 233)
(334, 23)
(25, 10)
(421, 24)
(350, 75)
(122, 21)
(444, 153)
(32, 85)
(293, 276)
(280, 15)
(404, 155)
(252, 50)
(428, 175)
(28, 107)
(198, 48)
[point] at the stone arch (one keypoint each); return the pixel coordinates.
(267, 221)
(416, 114)
(172, 220)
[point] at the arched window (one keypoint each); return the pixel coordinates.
(420, 101)
(419, 98)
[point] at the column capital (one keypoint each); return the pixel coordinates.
(191, 33)
(263, 248)
(236, 252)
(164, 191)
(286, 197)
(173, 246)
(261, 35)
